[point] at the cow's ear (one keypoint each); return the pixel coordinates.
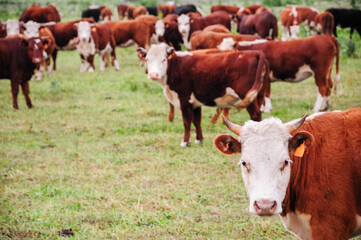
(24, 43)
(227, 144)
(45, 42)
(170, 51)
(142, 53)
(300, 143)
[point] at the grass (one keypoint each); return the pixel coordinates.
(97, 154)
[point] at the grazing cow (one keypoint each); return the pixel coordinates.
(139, 11)
(130, 31)
(346, 18)
(230, 79)
(220, 7)
(95, 38)
(297, 60)
(167, 8)
(65, 34)
(18, 60)
(307, 170)
(92, 12)
(152, 10)
(209, 39)
(41, 14)
(290, 23)
(187, 25)
(184, 9)
(263, 23)
(324, 23)
(307, 15)
(12, 27)
(106, 14)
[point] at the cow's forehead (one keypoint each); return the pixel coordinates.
(159, 24)
(159, 50)
(183, 19)
(83, 25)
(32, 24)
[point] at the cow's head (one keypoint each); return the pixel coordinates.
(31, 29)
(265, 162)
(159, 28)
(35, 48)
(183, 24)
(84, 31)
(156, 60)
(12, 27)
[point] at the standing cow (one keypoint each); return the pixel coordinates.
(346, 18)
(230, 79)
(307, 170)
(18, 60)
(41, 14)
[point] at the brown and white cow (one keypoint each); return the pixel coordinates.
(307, 170)
(168, 32)
(65, 34)
(187, 25)
(40, 14)
(106, 14)
(92, 39)
(18, 60)
(297, 60)
(307, 15)
(324, 23)
(290, 23)
(209, 39)
(230, 79)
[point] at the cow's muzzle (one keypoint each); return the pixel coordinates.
(154, 76)
(265, 207)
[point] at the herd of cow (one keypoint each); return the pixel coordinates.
(319, 197)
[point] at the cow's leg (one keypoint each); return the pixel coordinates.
(254, 111)
(187, 115)
(40, 72)
(15, 92)
(197, 117)
(102, 63)
(26, 90)
(114, 60)
(171, 112)
(351, 32)
(53, 55)
(90, 60)
(84, 64)
(324, 84)
(225, 113)
(216, 115)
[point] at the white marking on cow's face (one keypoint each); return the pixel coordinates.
(194, 101)
(265, 164)
(298, 224)
(159, 28)
(32, 29)
(157, 62)
(12, 27)
(183, 28)
(227, 44)
(84, 31)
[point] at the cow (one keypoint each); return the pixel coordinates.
(346, 18)
(169, 33)
(65, 34)
(167, 8)
(92, 12)
(187, 25)
(296, 60)
(324, 23)
(209, 39)
(12, 27)
(184, 9)
(152, 10)
(139, 11)
(40, 14)
(151, 21)
(263, 23)
(290, 23)
(307, 170)
(220, 7)
(230, 79)
(307, 15)
(170, 18)
(124, 10)
(106, 14)
(130, 31)
(18, 60)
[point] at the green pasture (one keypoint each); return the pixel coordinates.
(97, 154)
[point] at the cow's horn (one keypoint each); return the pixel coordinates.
(233, 127)
(293, 125)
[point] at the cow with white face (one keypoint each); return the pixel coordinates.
(159, 28)
(184, 28)
(12, 27)
(307, 170)
(85, 46)
(31, 29)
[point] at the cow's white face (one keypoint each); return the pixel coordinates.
(157, 60)
(31, 29)
(84, 31)
(159, 28)
(183, 24)
(227, 44)
(12, 27)
(265, 165)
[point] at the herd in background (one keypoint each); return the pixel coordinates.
(40, 32)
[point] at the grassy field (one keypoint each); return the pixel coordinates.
(97, 154)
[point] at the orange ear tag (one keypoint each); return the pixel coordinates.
(300, 150)
(170, 57)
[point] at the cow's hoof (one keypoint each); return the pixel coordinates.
(198, 141)
(184, 144)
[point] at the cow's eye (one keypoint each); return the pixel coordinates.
(164, 59)
(286, 163)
